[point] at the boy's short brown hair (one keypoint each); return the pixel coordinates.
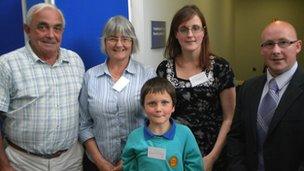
(157, 85)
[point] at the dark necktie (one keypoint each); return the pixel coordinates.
(265, 113)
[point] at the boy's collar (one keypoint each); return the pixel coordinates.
(168, 135)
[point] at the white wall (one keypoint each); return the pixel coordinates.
(142, 12)
(234, 28)
(219, 16)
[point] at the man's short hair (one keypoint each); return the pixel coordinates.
(38, 7)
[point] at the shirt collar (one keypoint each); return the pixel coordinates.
(105, 70)
(284, 78)
(168, 135)
(35, 58)
(131, 67)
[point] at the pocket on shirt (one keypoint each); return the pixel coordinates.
(26, 96)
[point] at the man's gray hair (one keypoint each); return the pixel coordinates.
(38, 7)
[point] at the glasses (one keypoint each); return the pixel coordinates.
(195, 29)
(281, 43)
(124, 40)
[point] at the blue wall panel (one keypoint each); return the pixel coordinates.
(30, 3)
(84, 23)
(11, 25)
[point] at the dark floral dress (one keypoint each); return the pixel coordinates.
(199, 107)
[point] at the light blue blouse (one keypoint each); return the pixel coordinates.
(109, 115)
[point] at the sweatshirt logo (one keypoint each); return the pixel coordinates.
(173, 161)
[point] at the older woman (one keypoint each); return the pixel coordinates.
(204, 84)
(109, 101)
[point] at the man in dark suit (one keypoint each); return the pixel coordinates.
(272, 140)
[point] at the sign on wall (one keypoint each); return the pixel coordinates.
(158, 33)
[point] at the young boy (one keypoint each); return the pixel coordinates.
(161, 144)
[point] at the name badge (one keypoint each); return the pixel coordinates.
(121, 83)
(198, 79)
(157, 153)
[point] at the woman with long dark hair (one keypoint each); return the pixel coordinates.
(204, 84)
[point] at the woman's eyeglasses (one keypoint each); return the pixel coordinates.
(195, 29)
(124, 40)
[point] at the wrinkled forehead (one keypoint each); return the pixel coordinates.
(47, 13)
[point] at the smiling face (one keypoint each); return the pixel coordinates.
(192, 40)
(158, 107)
(118, 47)
(45, 32)
(280, 59)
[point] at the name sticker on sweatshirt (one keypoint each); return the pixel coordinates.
(157, 153)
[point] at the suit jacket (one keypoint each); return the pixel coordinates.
(284, 144)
